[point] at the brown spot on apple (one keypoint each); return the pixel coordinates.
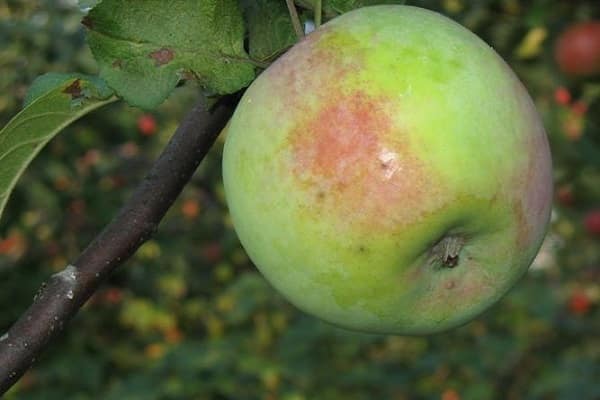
(523, 229)
(353, 152)
(350, 150)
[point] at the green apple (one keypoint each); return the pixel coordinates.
(389, 173)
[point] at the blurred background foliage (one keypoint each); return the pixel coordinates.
(189, 317)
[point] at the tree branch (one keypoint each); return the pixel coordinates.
(59, 300)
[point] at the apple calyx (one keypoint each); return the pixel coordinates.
(446, 251)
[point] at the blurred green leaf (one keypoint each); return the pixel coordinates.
(249, 292)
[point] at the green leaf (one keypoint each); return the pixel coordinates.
(145, 47)
(342, 6)
(270, 29)
(52, 103)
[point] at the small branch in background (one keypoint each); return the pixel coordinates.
(259, 63)
(60, 299)
(295, 19)
(318, 12)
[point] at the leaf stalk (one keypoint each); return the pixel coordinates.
(295, 19)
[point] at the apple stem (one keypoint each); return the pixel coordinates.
(446, 251)
(295, 19)
(318, 8)
(451, 246)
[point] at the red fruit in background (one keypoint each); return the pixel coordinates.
(562, 96)
(190, 208)
(173, 335)
(565, 196)
(592, 222)
(212, 252)
(450, 394)
(8, 244)
(579, 303)
(113, 296)
(579, 108)
(573, 126)
(146, 124)
(577, 50)
(13, 245)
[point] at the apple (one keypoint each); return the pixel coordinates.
(577, 50)
(389, 173)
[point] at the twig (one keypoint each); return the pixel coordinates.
(295, 19)
(59, 300)
(318, 12)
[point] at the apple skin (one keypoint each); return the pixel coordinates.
(359, 155)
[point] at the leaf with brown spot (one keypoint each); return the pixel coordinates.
(74, 89)
(52, 102)
(144, 48)
(162, 56)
